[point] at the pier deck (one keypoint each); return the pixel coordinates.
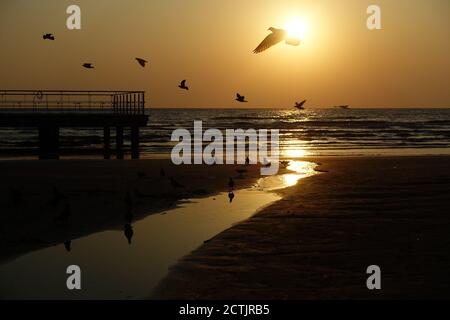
(50, 110)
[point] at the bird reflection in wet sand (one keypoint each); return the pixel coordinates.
(128, 232)
(68, 245)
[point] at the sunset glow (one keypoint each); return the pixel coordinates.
(296, 28)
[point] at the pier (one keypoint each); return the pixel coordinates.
(49, 110)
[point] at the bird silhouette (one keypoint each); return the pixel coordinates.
(128, 231)
(68, 245)
(48, 36)
(88, 65)
(275, 37)
(142, 62)
(240, 98)
(162, 173)
(299, 105)
(183, 85)
(231, 196)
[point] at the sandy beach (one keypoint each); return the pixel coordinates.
(317, 242)
(314, 243)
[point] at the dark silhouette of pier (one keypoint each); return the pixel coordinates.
(50, 110)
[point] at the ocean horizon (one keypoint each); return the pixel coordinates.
(310, 132)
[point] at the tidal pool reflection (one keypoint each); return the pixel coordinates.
(128, 263)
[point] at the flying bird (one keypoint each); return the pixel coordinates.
(183, 85)
(142, 62)
(299, 105)
(48, 36)
(275, 37)
(240, 98)
(88, 65)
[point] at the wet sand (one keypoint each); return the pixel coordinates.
(317, 242)
(94, 193)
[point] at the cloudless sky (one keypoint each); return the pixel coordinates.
(210, 43)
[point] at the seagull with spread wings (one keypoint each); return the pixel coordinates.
(274, 38)
(183, 85)
(142, 62)
(48, 36)
(240, 98)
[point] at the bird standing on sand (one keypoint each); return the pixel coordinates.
(142, 62)
(88, 65)
(275, 37)
(240, 98)
(183, 85)
(128, 231)
(48, 36)
(231, 196)
(68, 245)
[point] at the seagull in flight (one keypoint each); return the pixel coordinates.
(88, 66)
(183, 85)
(275, 37)
(142, 62)
(48, 36)
(299, 105)
(240, 98)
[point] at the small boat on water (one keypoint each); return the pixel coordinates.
(299, 105)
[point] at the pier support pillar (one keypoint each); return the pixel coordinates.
(48, 142)
(106, 143)
(119, 142)
(134, 142)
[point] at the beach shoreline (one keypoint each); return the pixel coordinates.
(34, 196)
(317, 242)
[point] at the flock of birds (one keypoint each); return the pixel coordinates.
(276, 36)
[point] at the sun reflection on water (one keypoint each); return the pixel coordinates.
(301, 169)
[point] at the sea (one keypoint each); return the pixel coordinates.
(313, 132)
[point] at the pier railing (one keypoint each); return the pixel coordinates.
(117, 102)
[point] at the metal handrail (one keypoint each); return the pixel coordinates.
(119, 102)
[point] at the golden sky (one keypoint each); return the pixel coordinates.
(210, 43)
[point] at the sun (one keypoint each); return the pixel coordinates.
(296, 28)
